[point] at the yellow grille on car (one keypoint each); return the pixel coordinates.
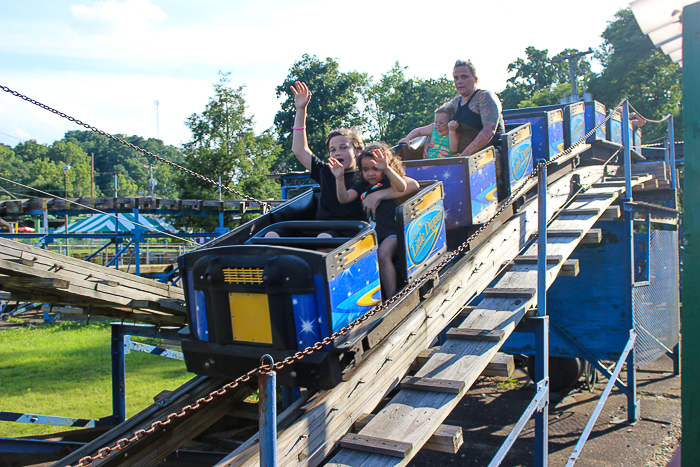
(243, 275)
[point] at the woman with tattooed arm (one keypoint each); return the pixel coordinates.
(478, 112)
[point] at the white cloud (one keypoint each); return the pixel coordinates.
(115, 16)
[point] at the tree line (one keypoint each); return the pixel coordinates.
(224, 143)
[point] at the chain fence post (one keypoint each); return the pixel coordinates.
(267, 390)
(118, 374)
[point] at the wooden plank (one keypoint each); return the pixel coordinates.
(609, 184)
(503, 292)
(552, 233)
(78, 292)
(595, 195)
(611, 213)
(115, 313)
(162, 305)
(592, 236)
(167, 438)
(447, 438)
(31, 282)
(10, 249)
(492, 335)
(579, 212)
(78, 270)
(432, 385)
(532, 259)
(502, 364)
(570, 268)
(466, 310)
(24, 262)
(376, 445)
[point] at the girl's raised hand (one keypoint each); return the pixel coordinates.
(453, 125)
(380, 159)
(302, 95)
(336, 167)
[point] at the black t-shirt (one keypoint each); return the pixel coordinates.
(329, 207)
(385, 222)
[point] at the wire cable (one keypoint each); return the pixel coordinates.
(98, 210)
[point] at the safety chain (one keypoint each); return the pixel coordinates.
(124, 442)
(648, 120)
(263, 204)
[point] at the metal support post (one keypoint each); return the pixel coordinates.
(627, 148)
(267, 381)
(118, 374)
(632, 399)
(672, 153)
(629, 348)
(542, 330)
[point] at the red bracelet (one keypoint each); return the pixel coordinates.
(299, 129)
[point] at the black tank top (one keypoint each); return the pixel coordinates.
(470, 125)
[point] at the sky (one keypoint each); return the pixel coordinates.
(108, 62)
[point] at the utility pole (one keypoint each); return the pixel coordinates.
(572, 73)
(66, 168)
(156, 102)
(92, 175)
(151, 182)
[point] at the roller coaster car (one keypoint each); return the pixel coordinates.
(248, 295)
(475, 184)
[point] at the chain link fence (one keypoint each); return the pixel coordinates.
(656, 294)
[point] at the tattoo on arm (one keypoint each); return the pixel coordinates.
(490, 110)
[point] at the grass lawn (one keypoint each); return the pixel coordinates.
(64, 369)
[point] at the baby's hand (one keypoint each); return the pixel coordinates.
(380, 159)
(452, 126)
(336, 167)
(302, 95)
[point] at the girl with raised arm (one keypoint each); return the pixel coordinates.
(381, 171)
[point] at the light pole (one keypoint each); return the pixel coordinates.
(572, 73)
(66, 168)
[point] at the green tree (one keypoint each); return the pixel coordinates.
(112, 156)
(224, 144)
(636, 69)
(333, 104)
(396, 105)
(30, 150)
(537, 75)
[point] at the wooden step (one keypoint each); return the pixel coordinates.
(447, 438)
(611, 213)
(492, 335)
(376, 445)
(502, 364)
(592, 236)
(579, 212)
(534, 259)
(570, 268)
(504, 292)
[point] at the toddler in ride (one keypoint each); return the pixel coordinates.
(443, 139)
(380, 170)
